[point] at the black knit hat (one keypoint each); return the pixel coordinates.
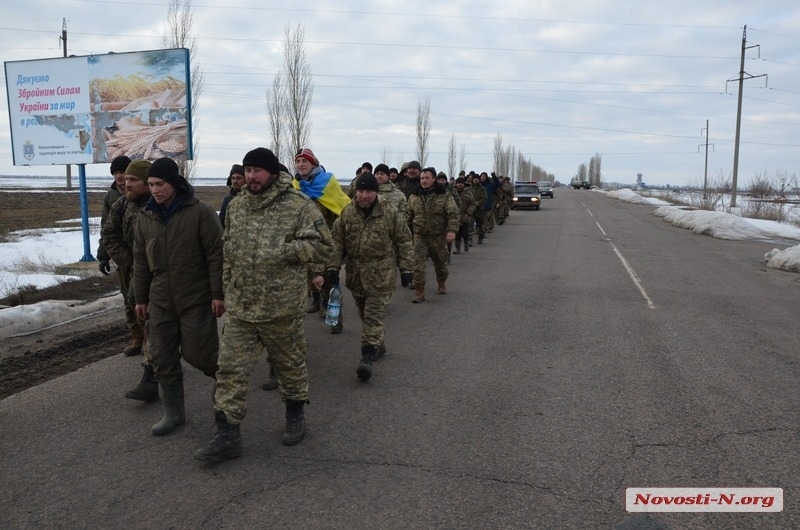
(415, 164)
(367, 181)
(167, 170)
(461, 180)
(263, 158)
(236, 169)
(120, 163)
(382, 167)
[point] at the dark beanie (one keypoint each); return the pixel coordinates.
(367, 181)
(415, 164)
(120, 163)
(167, 170)
(461, 180)
(139, 169)
(236, 169)
(263, 158)
(382, 167)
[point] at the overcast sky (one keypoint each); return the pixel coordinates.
(632, 81)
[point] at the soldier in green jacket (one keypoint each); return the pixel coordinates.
(480, 196)
(388, 192)
(369, 238)
(466, 211)
(433, 215)
(177, 281)
(272, 233)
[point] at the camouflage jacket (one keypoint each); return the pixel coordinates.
(508, 189)
(118, 230)
(390, 194)
(111, 197)
(177, 264)
(432, 213)
(479, 194)
(468, 205)
(369, 247)
(270, 241)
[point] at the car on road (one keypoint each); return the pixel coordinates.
(526, 195)
(545, 188)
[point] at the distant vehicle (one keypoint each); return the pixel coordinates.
(526, 195)
(545, 188)
(580, 184)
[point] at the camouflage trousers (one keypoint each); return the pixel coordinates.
(436, 248)
(480, 222)
(489, 217)
(125, 287)
(241, 347)
(129, 298)
(191, 334)
(372, 312)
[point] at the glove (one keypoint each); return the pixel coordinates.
(493, 174)
(105, 267)
(406, 278)
(332, 276)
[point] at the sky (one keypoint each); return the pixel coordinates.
(560, 82)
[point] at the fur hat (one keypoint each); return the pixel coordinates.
(263, 158)
(308, 154)
(120, 163)
(139, 169)
(167, 170)
(367, 181)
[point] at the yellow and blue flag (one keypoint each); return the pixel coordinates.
(325, 189)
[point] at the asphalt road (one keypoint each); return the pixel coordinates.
(584, 349)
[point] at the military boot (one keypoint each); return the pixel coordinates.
(315, 302)
(174, 412)
(442, 288)
(272, 380)
(147, 389)
(339, 325)
(364, 369)
(295, 422)
(458, 248)
(380, 352)
(226, 444)
(134, 346)
(480, 240)
(467, 244)
(419, 295)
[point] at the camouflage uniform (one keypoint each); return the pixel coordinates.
(390, 194)
(270, 240)
(508, 190)
(431, 214)
(118, 238)
(499, 202)
(369, 247)
(465, 212)
(479, 194)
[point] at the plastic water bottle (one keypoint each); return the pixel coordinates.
(334, 305)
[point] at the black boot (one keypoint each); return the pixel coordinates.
(295, 422)
(380, 352)
(458, 248)
(364, 369)
(147, 389)
(226, 444)
(174, 413)
(315, 303)
(339, 326)
(272, 380)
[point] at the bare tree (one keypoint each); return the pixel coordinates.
(594, 174)
(299, 85)
(451, 156)
(498, 152)
(423, 130)
(276, 113)
(178, 34)
(385, 154)
(462, 158)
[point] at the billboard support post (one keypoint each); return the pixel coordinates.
(87, 249)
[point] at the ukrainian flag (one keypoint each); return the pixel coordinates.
(325, 189)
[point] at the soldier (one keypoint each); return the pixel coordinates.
(508, 189)
(177, 268)
(370, 237)
(441, 179)
(410, 182)
(273, 233)
(117, 190)
(499, 202)
(323, 188)
(433, 216)
(388, 192)
(489, 185)
(118, 238)
(479, 194)
(465, 211)
(236, 182)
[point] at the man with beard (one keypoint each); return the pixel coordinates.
(410, 183)
(236, 182)
(433, 215)
(370, 238)
(118, 239)
(177, 271)
(272, 235)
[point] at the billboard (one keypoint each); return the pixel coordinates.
(91, 109)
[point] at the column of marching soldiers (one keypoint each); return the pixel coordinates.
(279, 238)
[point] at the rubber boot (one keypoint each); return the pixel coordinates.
(442, 288)
(339, 325)
(272, 380)
(364, 369)
(295, 422)
(134, 346)
(419, 295)
(226, 444)
(174, 412)
(315, 302)
(147, 389)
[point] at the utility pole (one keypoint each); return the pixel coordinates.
(705, 173)
(64, 42)
(741, 79)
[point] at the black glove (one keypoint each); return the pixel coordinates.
(332, 276)
(406, 278)
(495, 176)
(105, 267)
